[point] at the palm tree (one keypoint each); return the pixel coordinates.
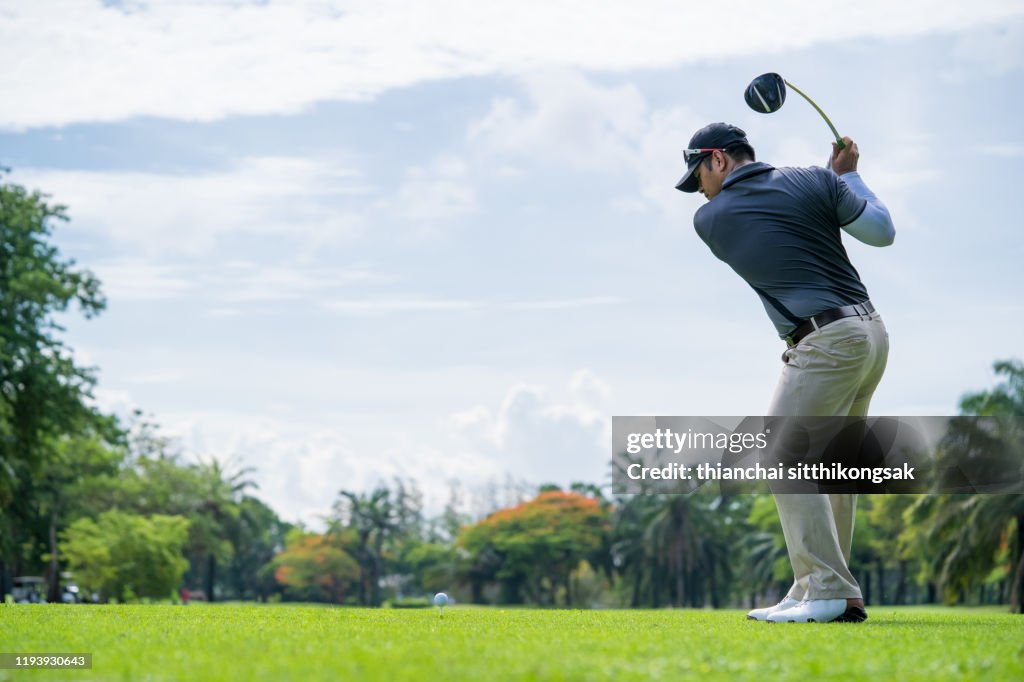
(629, 549)
(374, 518)
(682, 546)
(964, 532)
(671, 531)
(220, 494)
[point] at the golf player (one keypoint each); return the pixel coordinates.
(780, 230)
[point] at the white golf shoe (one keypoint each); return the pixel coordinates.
(762, 614)
(820, 611)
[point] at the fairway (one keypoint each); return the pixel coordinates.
(253, 642)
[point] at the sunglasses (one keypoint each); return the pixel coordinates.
(692, 153)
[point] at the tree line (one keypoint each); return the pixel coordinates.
(116, 504)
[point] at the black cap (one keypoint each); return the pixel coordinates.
(715, 135)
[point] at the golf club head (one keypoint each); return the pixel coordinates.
(766, 93)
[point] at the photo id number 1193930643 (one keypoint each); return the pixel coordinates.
(44, 661)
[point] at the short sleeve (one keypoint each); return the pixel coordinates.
(848, 205)
(702, 226)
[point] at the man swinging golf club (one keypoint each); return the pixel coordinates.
(780, 230)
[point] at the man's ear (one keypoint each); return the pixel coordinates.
(719, 160)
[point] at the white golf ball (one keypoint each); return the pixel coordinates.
(440, 599)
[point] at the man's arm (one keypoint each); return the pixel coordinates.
(702, 226)
(873, 225)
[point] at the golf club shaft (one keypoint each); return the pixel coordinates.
(839, 140)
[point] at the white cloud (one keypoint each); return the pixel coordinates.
(391, 305)
(241, 288)
(261, 283)
(301, 464)
(895, 173)
(141, 280)
(304, 204)
(566, 303)
(299, 469)
(233, 287)
(1002, 151)
(537, 437)
(118, 402)
(590, 389)
(381, 306)
(430, 197)
(993, 50)
(72, 61)
(568, 120)
(796, 150)
(187, 214)
(158, 376)
(659, 163)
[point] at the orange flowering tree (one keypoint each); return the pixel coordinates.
(533, 547)
(314, 568)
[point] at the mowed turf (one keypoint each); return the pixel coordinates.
(284, 642)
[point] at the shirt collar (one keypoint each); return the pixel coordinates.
(747, 171)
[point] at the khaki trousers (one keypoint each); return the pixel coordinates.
(832, 372)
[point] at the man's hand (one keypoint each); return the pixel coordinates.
(844, 160)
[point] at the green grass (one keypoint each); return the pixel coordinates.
(252, 642)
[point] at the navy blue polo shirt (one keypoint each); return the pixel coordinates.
(779, 229)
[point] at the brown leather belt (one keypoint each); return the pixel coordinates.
(827, 317)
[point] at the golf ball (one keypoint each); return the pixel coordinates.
(440, 599)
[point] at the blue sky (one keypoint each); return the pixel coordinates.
(347, 241)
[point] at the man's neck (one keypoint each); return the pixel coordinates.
(736, 165)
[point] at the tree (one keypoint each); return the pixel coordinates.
(125, 556)
(217, 513)
(71, 472)
(374, 517)
(888, 518)
(433, 566)
(453, 518)
(998, 520)
(631, 553)
(685, 550)
(43, 394)
(258, 536)
(767, 563)
(971, 538)
(313, 568)
(1005, 398)
(41, 389)
(224, 529)
(540, 542)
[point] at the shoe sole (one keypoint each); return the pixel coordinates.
(854, 614)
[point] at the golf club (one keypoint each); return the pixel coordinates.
(767, 94)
